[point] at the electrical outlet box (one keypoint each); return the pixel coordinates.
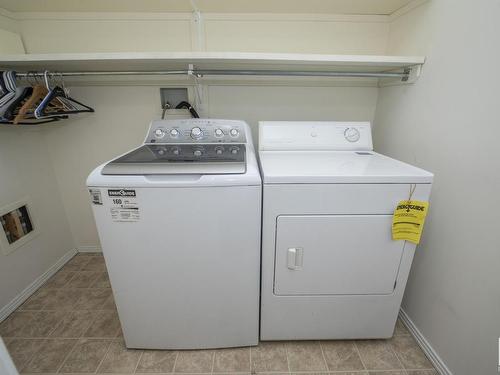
(173, 96)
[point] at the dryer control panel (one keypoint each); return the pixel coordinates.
(196, 131)
(315, 136)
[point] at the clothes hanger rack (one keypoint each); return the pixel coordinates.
(199, 73)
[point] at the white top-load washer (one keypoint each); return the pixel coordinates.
(179, 223)
(330, 269)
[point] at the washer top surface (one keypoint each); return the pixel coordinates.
(184, 153)
(308, 167)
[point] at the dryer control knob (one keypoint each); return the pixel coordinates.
(351, 134)
(234, 132)
(219, 133)
(159, 133)
(197, 153)
(196, 133)
(174, 133)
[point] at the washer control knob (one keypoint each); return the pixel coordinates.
(161, 151)
(176, 151)
(174, 133)
(196, 133)
(219, 150)
(234, 150)
(197, 153)
(234, 132)
(351, 134)
(219, 132)
(159, 133)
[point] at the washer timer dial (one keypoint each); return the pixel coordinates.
(159, 133)
(196, 133)
(351, 134)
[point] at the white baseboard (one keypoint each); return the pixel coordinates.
(89, 249)
(429, 351)
(6, 310)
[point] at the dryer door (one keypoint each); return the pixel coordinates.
(336, 255)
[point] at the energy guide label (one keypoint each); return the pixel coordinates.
(124, 206)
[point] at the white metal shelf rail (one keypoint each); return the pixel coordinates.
(199, 73)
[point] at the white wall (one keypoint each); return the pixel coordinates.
(7, 22)
(448, 123)
(10, 40)
(297, 33)
(26, 172)
(115, 32)
(123, 114)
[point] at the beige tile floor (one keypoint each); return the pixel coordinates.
(70, 325)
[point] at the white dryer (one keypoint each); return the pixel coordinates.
(330, 269)
(179, 223)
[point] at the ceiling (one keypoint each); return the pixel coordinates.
(377, 7)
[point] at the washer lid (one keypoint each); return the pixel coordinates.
(308, 167)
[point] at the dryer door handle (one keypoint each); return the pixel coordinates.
(295, 258)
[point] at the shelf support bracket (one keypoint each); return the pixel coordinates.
(197, 29)
(412, 74)
(200, 91)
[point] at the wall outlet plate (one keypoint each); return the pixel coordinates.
(173, 96)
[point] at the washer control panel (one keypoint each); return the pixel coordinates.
(196, 131)
(195, 153)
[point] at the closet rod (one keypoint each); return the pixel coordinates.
(201, 72)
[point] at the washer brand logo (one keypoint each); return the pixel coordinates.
(121, 193)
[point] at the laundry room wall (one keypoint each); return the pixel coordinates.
(7, 22)
(448, 123)
(123, 114)
(26, 172)
(55, 32)
(10, 39)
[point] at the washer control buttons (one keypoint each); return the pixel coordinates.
(197, 152)
(219, 150)
(176, 151)
(234, 150)
(196, 133)
(218, 133)
(159, 133)
(174, 133)
(351, 134)
(234, 132)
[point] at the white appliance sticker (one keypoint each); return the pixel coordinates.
(124, 205)
(96, 196)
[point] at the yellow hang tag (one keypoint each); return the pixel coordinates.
(408, 220)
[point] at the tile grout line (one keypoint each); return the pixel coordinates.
(250, 357)
(67, 356)
(213, 362)
(103, 358)
(287, 359)
(323, 355)
(359, 355)
(175, 360)
(397, 357)
(138, 361)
